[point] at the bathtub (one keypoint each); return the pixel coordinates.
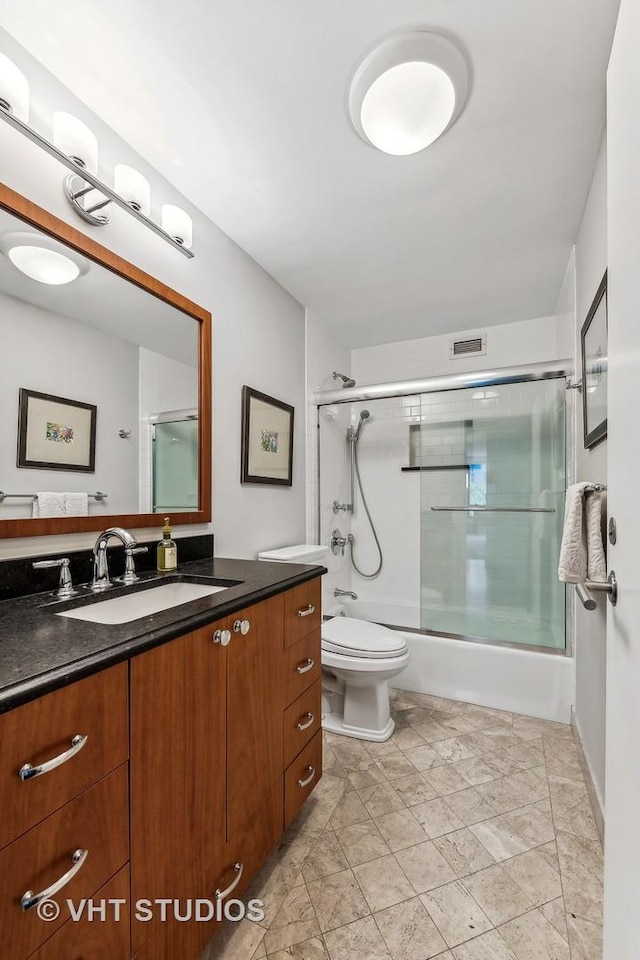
(535, 683)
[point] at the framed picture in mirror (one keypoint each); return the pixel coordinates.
(55, 433)
(267, 439)
(594, 369)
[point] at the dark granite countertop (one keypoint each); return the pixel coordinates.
(40, 651)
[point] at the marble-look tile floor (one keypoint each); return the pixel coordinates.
(467, 836)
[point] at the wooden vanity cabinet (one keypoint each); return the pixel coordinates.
(199, 753)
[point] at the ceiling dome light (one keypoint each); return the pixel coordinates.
(45, 266)
(408, 91)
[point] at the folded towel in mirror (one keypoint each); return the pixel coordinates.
(76, 504)
(48, 504)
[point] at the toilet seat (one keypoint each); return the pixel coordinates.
(350, 637)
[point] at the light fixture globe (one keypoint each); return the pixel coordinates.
(42, 258)
(408, 91)
(43, 265)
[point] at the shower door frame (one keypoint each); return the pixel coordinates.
(552, 370)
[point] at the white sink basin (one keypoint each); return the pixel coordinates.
(134, 606)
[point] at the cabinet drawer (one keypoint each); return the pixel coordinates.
(302, 721)
(302, 666)
(301, 777)
(97, 822)
(95, 708)
(302, 611)
(95, 939)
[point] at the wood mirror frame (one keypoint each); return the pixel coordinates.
(44, 221)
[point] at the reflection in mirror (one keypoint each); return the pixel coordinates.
(83, 337)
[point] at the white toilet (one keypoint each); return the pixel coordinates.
(358, 658)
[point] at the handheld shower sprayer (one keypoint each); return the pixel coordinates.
(353, 434)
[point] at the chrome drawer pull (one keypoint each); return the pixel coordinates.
(31, 899)
(28, 771)
(306, 665)
(312, 773)
(241, 626)
(307, 613)
(223, 894)
(223, 637)
(305, 726)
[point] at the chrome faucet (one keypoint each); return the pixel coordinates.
(345, 593)
(101, 580)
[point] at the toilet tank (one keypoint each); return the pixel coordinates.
(299, 553)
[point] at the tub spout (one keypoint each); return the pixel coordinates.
(345, 593)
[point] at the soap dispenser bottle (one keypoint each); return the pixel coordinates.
(167, 550)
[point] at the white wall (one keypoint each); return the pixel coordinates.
(528, 341)
(591, 465)
(326, 353)
(52, 354)
(258, 328)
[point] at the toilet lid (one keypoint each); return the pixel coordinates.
(360, 638)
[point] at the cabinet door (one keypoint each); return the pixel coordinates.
(178, 751)
(254, 726)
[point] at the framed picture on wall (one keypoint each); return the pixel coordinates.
(594, 369)
(267, 439)
(55, 433)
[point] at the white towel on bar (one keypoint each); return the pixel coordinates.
(582, 550)
(76, 504)
(596, 560)
(48, 504)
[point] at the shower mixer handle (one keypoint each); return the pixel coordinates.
(338, 542)
(337, 507)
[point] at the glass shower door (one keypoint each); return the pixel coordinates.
(175, 466)
(493, 473)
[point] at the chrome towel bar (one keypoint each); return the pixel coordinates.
(493, 509)
(98, 495)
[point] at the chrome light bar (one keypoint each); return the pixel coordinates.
(89, 178)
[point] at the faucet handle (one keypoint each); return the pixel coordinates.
(65, 584)
(130, 575)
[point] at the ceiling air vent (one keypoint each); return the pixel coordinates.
(468, 346)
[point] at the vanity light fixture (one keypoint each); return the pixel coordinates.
(74, 138)
(14, 89)
(133, 187)
(408, 91)
(75, 146)
(178, 224)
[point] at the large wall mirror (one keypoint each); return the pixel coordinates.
(105, 386)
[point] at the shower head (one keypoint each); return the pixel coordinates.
(355, 432)
(346, 381)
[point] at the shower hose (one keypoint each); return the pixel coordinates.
(367, 576)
